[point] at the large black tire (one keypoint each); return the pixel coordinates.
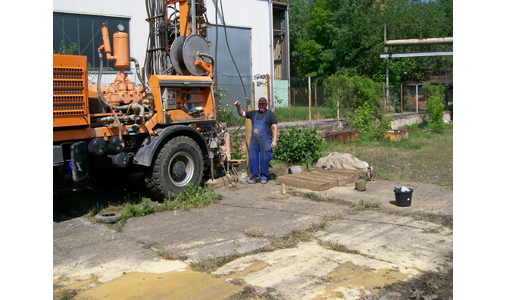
(178, 163)
(108, 217)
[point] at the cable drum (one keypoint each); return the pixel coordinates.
(177, 57)
(195, 44)
(183, 54)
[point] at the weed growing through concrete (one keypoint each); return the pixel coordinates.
(364, 205)
(167, 255)
(335, 246)
(210, 264)
(189, 198)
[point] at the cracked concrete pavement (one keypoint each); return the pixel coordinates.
(385, 245)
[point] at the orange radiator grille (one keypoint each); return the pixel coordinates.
(70, 101)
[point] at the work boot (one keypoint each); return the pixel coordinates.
(253, 180)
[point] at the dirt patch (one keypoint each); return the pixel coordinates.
(432, 285)
(186, 284)
(348, 277)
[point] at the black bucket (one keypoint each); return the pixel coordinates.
(403, 199)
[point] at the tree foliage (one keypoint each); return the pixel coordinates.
(333, 37)
(435, 106)
(360, 100)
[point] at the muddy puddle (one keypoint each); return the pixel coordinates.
(185, 284)
(345, 281)
(350, 281)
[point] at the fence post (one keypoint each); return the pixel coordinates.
(338, 106)
(384, 96)
(310, 99)
(288, 104)
(401, 97)
(315, 93)
(417, 98)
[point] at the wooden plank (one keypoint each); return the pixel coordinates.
(310, 183)
(320, 179)
(343, 176)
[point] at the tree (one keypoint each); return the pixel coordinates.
(299, 14)
(333, 37)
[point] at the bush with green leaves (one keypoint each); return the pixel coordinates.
(435, 106)
(360, 99)
(363, 117)
(299, 146)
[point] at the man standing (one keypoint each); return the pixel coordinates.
(262, 141)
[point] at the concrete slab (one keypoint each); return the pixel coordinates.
(385, 245)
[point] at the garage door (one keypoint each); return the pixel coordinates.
(240, 45)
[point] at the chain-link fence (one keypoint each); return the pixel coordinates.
(109, 76)
(412, 98)
(405, 99)
(301, 92)
(304, 92)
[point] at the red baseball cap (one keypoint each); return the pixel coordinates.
(262, 100)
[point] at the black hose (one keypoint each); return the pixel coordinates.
(103, 100)
(136, 63)
(227, 43)
(99, 90)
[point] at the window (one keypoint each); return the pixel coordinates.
(84, 31)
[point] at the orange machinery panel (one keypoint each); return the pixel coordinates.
(70, 91)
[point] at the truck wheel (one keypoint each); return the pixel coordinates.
(179, 162)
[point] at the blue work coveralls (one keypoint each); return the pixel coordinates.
(260, 151)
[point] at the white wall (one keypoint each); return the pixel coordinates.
(253, 14)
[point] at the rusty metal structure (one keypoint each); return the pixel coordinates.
(389, 44)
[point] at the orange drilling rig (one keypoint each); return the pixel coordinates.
(167, 128)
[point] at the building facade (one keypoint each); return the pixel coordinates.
(249, 37)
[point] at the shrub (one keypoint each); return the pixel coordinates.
(435, 107)
(299, 146)
(363, 117)
(360, 98)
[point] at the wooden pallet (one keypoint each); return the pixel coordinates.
(320, 180)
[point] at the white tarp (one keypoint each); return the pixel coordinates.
(336, 160)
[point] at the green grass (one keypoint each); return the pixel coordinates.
(423, 157)
(297, 113)
(189, 198)
(364, 205)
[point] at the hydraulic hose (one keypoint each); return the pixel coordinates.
(104, 101)
(136, 63)
(99, 90)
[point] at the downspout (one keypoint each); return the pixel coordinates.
(287, 37)
(271, 63)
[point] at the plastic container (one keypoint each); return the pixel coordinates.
(361, 185)
(403, 199)
(243, 176)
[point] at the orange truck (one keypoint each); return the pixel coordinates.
(167, 128)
